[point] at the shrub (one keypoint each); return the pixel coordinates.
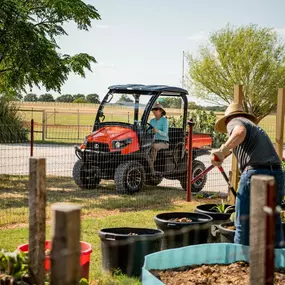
(80, 100)
(11, 125)
(204, 123)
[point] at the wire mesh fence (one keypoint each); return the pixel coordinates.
(61, 171)
(59, 150)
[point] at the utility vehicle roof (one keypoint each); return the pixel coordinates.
(145, 89)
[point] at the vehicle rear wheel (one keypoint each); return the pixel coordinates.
(197, 168)
(153, 180)
(84, 179)
(129, 177)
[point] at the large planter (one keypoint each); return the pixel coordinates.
(218, 218)
(125, 248)
(85, 253)
(226, 233)
(178, 234)
(217, 253)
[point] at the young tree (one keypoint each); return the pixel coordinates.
(93, 98)
(248, 55)
(29, 54)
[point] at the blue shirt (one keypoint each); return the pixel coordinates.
(162, 126)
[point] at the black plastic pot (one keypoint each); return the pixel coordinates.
(125, 248)
(226, 235)
(207, 209)
(178, 234)
(218, 218)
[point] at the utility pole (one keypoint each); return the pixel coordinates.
(183, 70)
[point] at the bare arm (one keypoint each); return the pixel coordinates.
(237, 137)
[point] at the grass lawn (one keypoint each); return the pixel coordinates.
(102, 208)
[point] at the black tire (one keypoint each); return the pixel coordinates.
(197, 168)
(129, 177)
(83, 179)
(153, 181)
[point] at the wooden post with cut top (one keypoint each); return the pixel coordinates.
(238, 98)
(280, 122)
(65, 252)
(37, 219)
(262, 229)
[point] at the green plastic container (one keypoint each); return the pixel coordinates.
(213, 253)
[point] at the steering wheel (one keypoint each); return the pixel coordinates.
(149, 127)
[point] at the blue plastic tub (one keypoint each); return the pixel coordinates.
(213, 253)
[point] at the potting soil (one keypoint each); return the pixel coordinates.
(217, 274)
(181, 220)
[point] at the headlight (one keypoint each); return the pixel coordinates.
(117, 144)
(121, 143)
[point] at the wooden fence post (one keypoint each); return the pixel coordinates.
(280, 122)
(65, 252)
(37, 219)
(43, 124)
(262, 229)
(238, 98)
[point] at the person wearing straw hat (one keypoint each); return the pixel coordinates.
(160, 129)
(256, 155)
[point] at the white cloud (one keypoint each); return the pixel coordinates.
(201, 36)
(280, 31)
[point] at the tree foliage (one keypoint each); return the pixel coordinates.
(171, 102)
(125, 98)
(247, 55)
(29, 54)
(12, 129)
(31, 97)
(46, 98)
(65, 98)
(80, 100)
(93, 98)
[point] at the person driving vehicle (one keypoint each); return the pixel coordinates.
(160, 129)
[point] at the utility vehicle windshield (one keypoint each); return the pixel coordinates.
(121, 108)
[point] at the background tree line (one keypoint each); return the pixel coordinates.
(68, 98)
(175, 103)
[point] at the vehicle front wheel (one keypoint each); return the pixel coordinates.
(84, 179)
(197, 168)
(129, 177)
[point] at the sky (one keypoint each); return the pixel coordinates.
(143, 41)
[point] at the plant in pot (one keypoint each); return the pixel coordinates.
(219, 212)
(14, 268)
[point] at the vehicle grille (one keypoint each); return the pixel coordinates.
(102, 147)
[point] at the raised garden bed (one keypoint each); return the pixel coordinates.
(212, 256)
(236, 273)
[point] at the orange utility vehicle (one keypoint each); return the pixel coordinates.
(118, 148)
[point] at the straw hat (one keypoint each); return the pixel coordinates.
(159, 106)
(232, 110)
